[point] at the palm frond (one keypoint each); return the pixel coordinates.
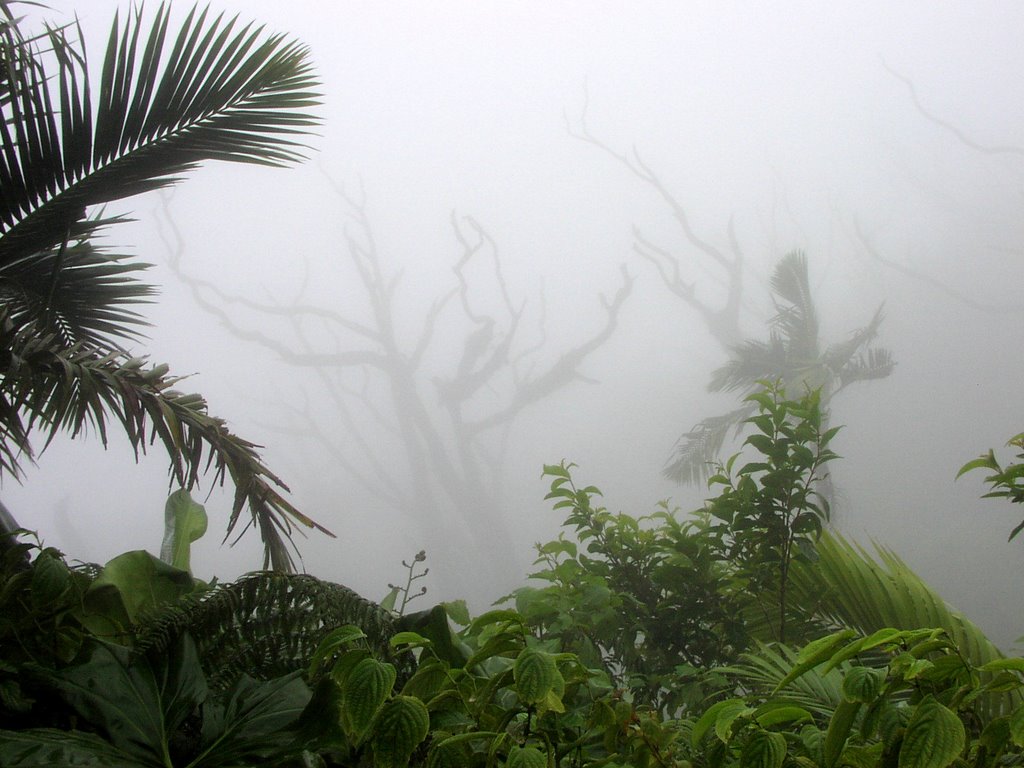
(214, 92)
(867, 593)
(796, 320)
(63, 389)
(760, 671)
(264, 624)
(752, 361)
(76, 292)
(698, 450)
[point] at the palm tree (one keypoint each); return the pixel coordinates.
(214, 91)
(792, 354)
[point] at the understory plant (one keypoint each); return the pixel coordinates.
(661, 601)
(907, 698)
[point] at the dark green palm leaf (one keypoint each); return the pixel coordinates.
(64, 389)
(218, 93)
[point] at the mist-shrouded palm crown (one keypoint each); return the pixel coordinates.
(214, 90)
(792, 354)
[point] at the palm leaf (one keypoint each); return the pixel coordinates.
(761, 670)
(697, 450)
(797, 320)
(752, 361)
(867, 593)
(64, 389)
(214, 92)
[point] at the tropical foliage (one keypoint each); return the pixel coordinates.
(1006, 482)
(794, 355)
(166, 102)
(744, 634)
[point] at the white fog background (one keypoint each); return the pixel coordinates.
(789, 119)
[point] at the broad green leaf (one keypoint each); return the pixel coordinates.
(764, 749)
(256, 720)
(48, 747)
(457, 611)
(144, 581)
(138, 703)
(50, 579)
(410, 640)
(839, 730)
(185, 521)
(366, 689)
(934, 737)
(535, 673)
(1017, 726)
(863, 684)
(513, 618)
(388, 603)
(526, 757)
(710, 716)
(768, 715)
(333, 642)
(997, 665)
(725, 719)
(403, 723)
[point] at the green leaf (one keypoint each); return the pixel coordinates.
(526, 757)
(48, 747)
(388, 603)
(813, 654)
(768, 715)
(710, 717)
(1017, 726)
(366, 689)
(409, 640)
(863, 684)
(403, 723)
(934, 737)
(185, 521)
(839, 730)
(763, 749)
(50, 580)
(535, 674)
(137, 704)
(255, 722)
(333, 642)
(998, 665)
(144, 581)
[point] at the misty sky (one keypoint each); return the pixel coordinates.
(794, 121)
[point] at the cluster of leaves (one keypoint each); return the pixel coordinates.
(906, 698)
(1006, 482)
(157, 711)
(49, 611)
(486, 695)
(660, 602)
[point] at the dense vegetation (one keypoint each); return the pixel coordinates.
(744, 633)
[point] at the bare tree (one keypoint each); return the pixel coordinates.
(793, 353)
(727, 267)
(425, 440)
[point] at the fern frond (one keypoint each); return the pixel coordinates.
(265, 624)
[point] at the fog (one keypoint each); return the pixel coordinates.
(882, 139)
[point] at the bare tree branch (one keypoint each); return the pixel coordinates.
(722, 322)
(451, 427)
(963, 138)
(926, 279)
